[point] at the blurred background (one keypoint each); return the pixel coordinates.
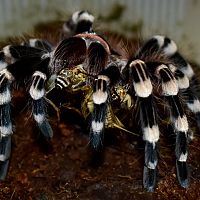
(177, 19)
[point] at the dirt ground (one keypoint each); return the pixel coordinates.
(65, 168)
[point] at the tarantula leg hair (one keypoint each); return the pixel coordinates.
(182, 70)
(189, 92)
(12, 53)
(140, 78)
(6, 79)
(12, 58)
(5, 151)
(106, 79)
(143, 90)
(97, 59)
(181, 79)
(38, 43)
(3, 63)
(79, 22)
(163, 45)
(150, 131)
(178, 120)
(180, 124)
(37, 93)
(191, 96)
(15, 58)
(100, 97)
(169, 48)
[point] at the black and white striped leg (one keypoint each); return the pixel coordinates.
(6, 79)
(5, 151)
(188, 87)
(148, 120)
(106, 79)
(181, 79)
(150, 131)
(193, 103)
(186, 91)
(100, 98)
(37, 92)
(191, 97)
(183, 70)
(179, 121)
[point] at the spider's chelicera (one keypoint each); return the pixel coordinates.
(83, 59)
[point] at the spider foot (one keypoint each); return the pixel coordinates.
(182, 173)
(3, 169)
(149, 179)
(45, 129)
(5, 149)
(96, 140)
(197, 115)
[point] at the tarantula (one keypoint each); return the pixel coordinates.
(156, 70)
